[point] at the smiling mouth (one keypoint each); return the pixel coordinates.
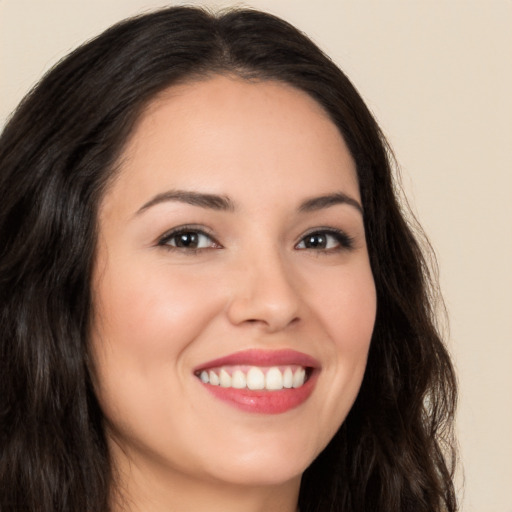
(261, 381)
(256, 378)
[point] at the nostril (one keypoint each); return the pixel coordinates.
(264, 304)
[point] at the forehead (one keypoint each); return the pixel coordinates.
(229, 133)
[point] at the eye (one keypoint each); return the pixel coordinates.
(188, 239)
(326, 240)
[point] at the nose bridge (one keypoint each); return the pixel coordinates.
(265, 290)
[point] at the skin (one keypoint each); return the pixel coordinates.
(161, 310)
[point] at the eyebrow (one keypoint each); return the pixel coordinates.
(224, 203)
(211, 201)
(321, 202)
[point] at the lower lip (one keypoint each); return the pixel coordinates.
(263, 401)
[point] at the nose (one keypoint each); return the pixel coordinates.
(265, 293)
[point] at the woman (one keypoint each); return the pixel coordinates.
(210, 297)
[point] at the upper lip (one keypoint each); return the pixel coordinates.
(259, 357)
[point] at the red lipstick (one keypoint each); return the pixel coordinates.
(258, 357)
(258, 395)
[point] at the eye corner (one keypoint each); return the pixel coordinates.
(193, 239)
(326, 240)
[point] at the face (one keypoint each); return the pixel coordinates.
(234, 300)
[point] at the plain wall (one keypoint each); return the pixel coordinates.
(438, 76)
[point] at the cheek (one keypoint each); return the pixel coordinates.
(144, 324)
(351, 325)
(346, 310)
(347, 307)
(151, 313)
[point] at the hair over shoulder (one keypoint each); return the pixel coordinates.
(58, 153)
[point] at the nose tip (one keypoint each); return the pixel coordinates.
(265, 295)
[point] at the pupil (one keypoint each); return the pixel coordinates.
(316, 241)
(187, 240)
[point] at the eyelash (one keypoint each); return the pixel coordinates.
(343, 241)
(186, 230)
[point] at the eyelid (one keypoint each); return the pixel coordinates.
(185, 228)
(346, 242)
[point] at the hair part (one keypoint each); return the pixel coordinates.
(58, 154)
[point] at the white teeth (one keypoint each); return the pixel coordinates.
(238, 379)
(274, 379)
(298, 378)
(214, 378)
(255, 378)
(288, 378)
(225, 379)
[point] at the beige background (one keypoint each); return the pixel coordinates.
(437, 74)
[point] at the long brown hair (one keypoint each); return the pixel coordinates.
(395, 450)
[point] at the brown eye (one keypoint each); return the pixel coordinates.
(188, 239)
(325, 241)
(316, 241)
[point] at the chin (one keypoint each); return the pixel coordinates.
(264, 466)
(266, 474)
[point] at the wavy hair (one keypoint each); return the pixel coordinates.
(58, 152)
